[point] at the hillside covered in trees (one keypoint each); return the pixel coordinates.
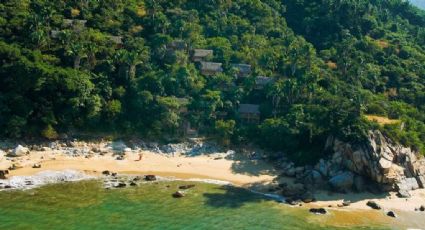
(282, 74)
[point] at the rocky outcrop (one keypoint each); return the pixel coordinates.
(342, 182)
(19, 151)
(379, 159)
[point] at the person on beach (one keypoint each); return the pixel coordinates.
(140, 157)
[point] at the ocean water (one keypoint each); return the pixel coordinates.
(87, 205)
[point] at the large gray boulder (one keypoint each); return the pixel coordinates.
(380, 160)
(19, 151)
(343, 181)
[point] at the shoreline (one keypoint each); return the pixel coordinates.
(255, 175)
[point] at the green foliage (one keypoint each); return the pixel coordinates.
(330, 63)
(224, 130)
(49, 132)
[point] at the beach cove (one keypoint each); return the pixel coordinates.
(217, 169)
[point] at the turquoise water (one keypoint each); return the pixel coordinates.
(86, 205)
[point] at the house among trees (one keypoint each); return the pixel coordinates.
(249, 113)
(55, 33)
(261, 82)
(242, 70)
(177, 45)
(200, 55)
(211, 68)
(117, 40)
(77, 25)
(183, 103)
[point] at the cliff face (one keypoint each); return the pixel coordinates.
(391, 165)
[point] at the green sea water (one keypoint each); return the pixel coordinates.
(87, 205)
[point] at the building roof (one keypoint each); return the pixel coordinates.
(201, 53)
(242, 68)
(67, 22)
(262, 81)
(212, 66)
(73, 22)
(249, 108)
(55, 33)
(116, 39)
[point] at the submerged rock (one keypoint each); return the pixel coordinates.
(120, 185)
(187, 186)
(36, 166)
(150, 178)
(178, 194)
(321, 211)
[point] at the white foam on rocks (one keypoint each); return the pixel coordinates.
(43, 178)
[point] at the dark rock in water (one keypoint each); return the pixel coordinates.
(178, 194)
(150, 178)
(114, 174)
(133, 184)
(403, 194)
(187, 186)
(391, 214)
(346, 203)
(120, 185)
(36, 166)
(373, 205)
(106, 173)
(318, 211)
(422, 208)
(7, 186)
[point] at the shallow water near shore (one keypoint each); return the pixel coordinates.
(87, 205)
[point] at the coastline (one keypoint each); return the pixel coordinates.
(255, 175)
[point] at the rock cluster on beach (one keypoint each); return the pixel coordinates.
(375, 166)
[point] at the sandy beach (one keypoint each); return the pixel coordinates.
(253, 174)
